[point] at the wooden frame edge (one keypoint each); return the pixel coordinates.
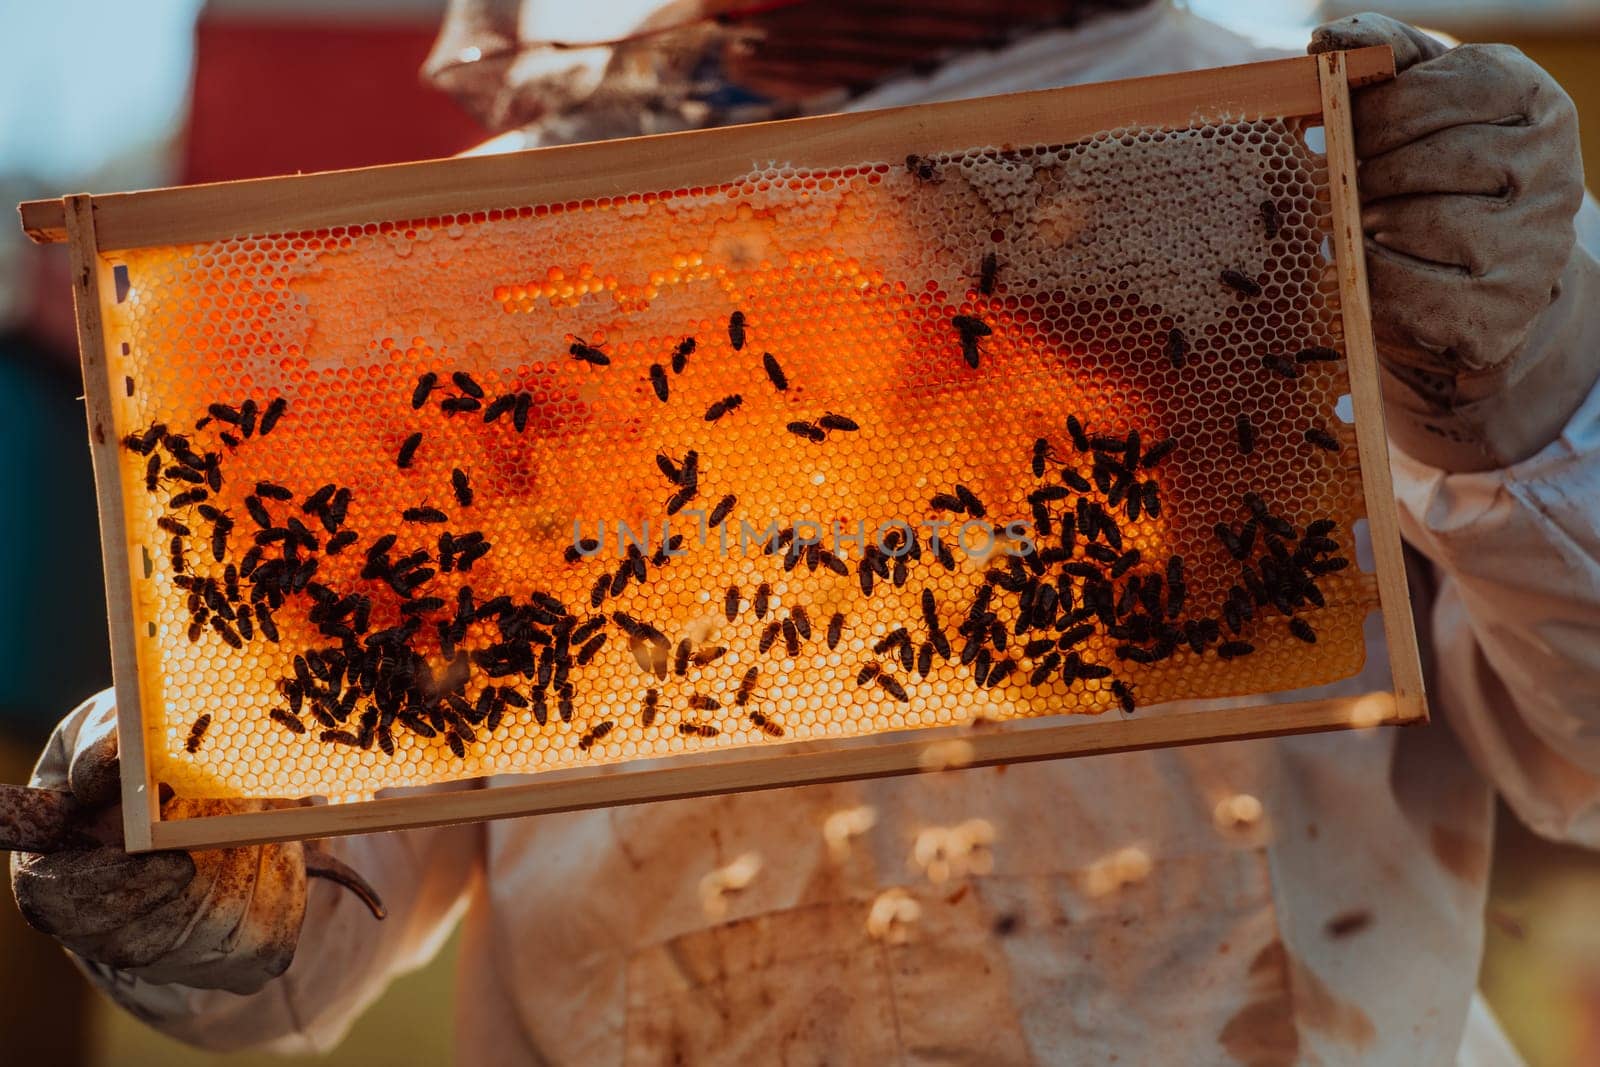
(88, 289)
(1372, 438)
(1284, 87)
(676, 782)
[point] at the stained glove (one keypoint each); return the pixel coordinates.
(223, 919)
(1470, 178)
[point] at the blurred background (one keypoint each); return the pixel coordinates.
(98, 96)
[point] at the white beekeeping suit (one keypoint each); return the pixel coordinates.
(1305, 899)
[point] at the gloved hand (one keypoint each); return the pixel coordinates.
(1470, 178)
(224, 919)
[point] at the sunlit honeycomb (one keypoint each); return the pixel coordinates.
(934, 320)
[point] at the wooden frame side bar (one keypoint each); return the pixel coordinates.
(161, 217)
(831, 764)
(89, 285)
(1372, 438)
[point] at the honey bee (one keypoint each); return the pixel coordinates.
(588, 353)
(681, 354)
(598, 731)
(1124, 694)
(135, 443)
(832, 421)
(226, 632)
(1080, 438)
(835, 629)
(287, 721)
(340, 737)
(766, 725)
(408, 449)
(987, 272)
(197, 733)
(1231, 541)
(1041, 454)
(425, 387)
(676, 502)
(274, 412)
(969, 502)
(780, 381)
(892, 687)
(590, 648)
(461, 486)
(1270, 219)
(424, 515)
(747, 686)
(187, 498)
(970, 330)
(500, 406)
(258, 512)
(1150, 494)
(720, 513)
(1240, 283)
(1320, 437)
(652, 698)
(809, 430)
(723, 406)
(658, 381)
(223, 413)
(1177, 347)
(1302, 629)
(736, 325)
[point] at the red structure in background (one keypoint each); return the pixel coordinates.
(275, 94)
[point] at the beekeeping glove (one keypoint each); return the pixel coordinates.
(1483, 304)
(223, 919)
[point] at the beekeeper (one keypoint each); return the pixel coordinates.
(1316, 898)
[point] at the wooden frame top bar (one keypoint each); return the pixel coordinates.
(196, 213)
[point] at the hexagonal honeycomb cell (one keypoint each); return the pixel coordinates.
(808, 454)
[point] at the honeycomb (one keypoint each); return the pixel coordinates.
(810, 453)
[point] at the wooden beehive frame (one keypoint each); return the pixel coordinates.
(97, 227)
